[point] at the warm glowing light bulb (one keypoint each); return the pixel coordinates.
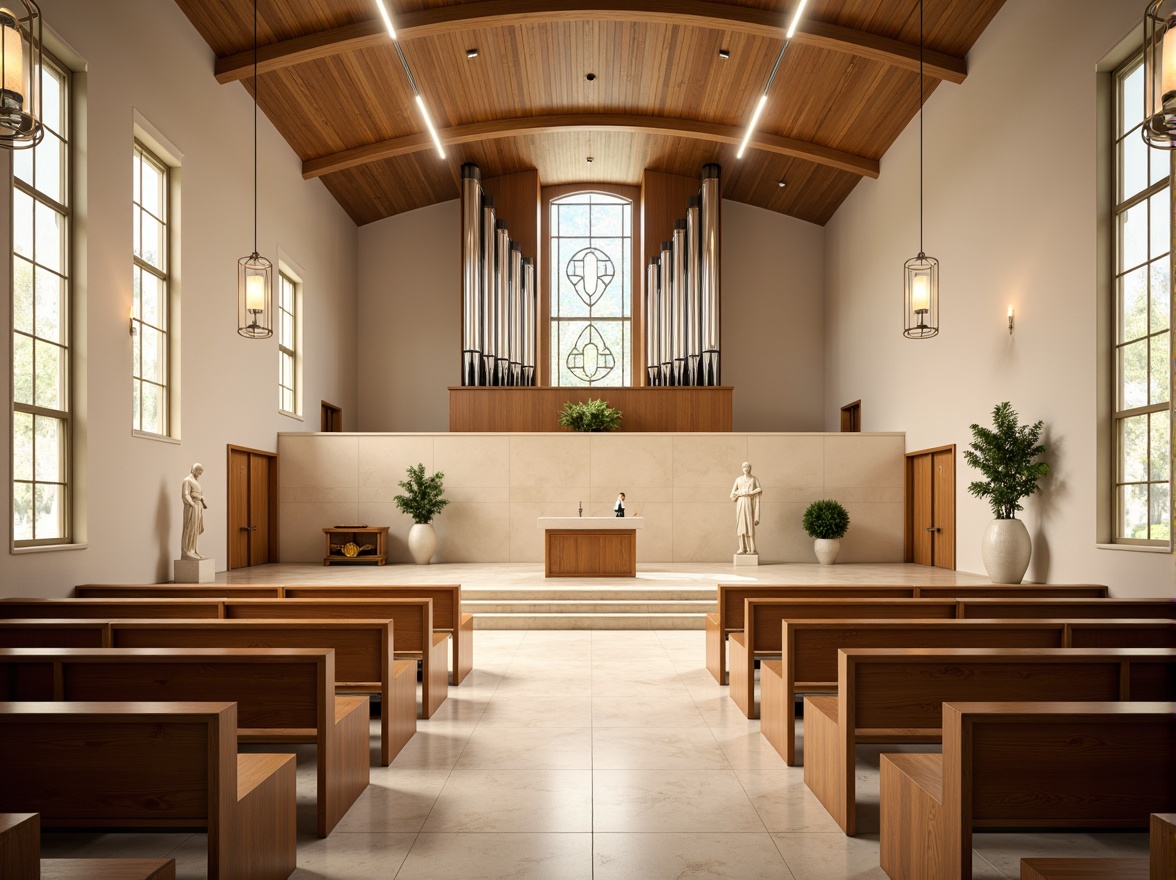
(1168, 65)
(13, 71)
(921, 293)
(255, 293)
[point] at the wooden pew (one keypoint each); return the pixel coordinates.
(107, 609)
(1121, 633)
(728, 616)
(283, 695)
(808, 657)
(1155, 609)
(177, 591)
(760, 638)
(143, 765)
(363, 657)
(895, 695)
(1024, 765)
(412, 620)
(50, 633)
(1160, 864)
(20, 858)
(447, 613)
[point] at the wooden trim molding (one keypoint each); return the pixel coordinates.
(500, 13)
(561, 122)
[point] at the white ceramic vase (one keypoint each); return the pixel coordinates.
(827, 550)
(422, 541)
(1006, 549)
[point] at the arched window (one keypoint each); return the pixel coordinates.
(591, 296)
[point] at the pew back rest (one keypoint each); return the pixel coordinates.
(810, 646)
(110, 608)
(177, 591)
(51, 633)
(446, 597)
(1163, 609)
(904, 688)
(1013, 591)
(363, 648)
(274, 688)
(1057, 764)
(1122, 633)
(142, 763)
(412, 618)
(732, 596)
(764, 617)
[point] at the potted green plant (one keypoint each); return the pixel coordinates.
(826, 521)
(424, 498)
(593, 415)
(1008, 458)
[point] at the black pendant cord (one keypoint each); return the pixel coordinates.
(921, 252)
(255, 87)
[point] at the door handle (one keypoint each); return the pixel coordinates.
(933, 529)
(249, 528)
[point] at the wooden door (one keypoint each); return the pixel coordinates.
(332, 417)
(253, 507)
(930, 503)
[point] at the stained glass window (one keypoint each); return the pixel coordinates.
(591, 290)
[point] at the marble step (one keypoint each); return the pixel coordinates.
(548, 592)
(597, 620)
(585, 606)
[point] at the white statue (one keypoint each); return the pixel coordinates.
(746, 495)
(194, 508)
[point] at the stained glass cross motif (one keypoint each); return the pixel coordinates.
(591, 272)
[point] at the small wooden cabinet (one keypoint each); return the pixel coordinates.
(341, 536)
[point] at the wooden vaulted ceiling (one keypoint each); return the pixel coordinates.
(662, 98)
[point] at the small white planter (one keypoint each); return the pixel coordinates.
(827, 550)
(422, 541)
(1006, 549)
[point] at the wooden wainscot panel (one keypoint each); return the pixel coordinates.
(644, 409)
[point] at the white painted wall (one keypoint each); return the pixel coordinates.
(498, 484)
(1011, 191)
(148, 57)
(410, 305)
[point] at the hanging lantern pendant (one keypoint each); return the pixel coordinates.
(254, 272)
(21, 75)
(921, 274)
(1159, 74)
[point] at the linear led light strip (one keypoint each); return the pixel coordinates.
(763, 99)
(420, 101)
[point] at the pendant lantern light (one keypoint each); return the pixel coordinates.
(921, 273)
(21, 125)
(254, 272)
(1159, 74)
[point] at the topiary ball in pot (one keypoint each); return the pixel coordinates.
(826, 521)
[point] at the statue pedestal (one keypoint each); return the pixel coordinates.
(194, 571)
(747, 559)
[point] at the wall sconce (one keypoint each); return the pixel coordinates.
(1159, 74)
(132, 320)
(1010, 320)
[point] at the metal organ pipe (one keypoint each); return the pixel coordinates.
(652, 355)
(471, 280)
(710, 252)
(501, 298)
(529, 304)
(515, 329)
(693, 291)
(680, 318)
(489, 286)
(665, 313)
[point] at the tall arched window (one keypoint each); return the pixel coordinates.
(591, 259)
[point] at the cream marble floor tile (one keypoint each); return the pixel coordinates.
(784, 802)
(352, 856)
(514, 801)
(432, 750)
(97, 845)
(656, 748)
(617, 688)
(745, 747)
(519, 687)
(542, 748)
(639, 712)
(395, 801)
(828, 856)
(671, 800)
(735, 856)
(499, 857)
(538, 712)
(1004, 851)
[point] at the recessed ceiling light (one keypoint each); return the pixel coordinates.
(724, 54)
(783, 183)
(590, 158)
(590, 76)
(471, 53)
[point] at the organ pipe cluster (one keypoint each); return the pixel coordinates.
(682, 295)
(499, 297)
